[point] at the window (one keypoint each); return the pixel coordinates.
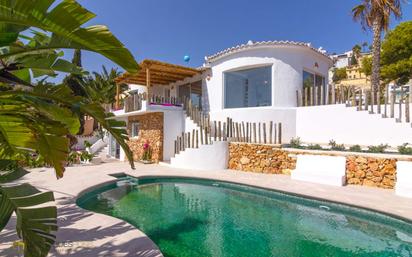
(248, 88)
(135, 129)
(312, 81)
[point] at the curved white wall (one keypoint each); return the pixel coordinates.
(287, 62)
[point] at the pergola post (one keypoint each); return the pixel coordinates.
(117, 96)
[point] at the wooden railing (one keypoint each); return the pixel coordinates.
(365, 100)
(384, 103)
(134, 102)
(321, 95)
(246, 132)
(210, 131)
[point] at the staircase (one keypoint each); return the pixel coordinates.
(204, 143)
(100, 156)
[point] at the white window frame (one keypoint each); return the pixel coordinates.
(248, 67)
(132, 129)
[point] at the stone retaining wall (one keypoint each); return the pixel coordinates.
(150, 130)
(361, 169)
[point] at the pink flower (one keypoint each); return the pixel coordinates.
(146, 146)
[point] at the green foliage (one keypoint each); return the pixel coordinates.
(357, 49)
(295, 143)
(39, 122)
(378, 148)
(21, 68)
(366, 65)
(369, 10)
(355, 148)
(64, 20)
(339, 74)
(314, 147)
(405, 149)
(87, 144)
(397, 54)
(72, 80)
(36, 226)
(102, 87)
(85, 156)
(336, 147)
(41, 119)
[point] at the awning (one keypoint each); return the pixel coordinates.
(157, 73)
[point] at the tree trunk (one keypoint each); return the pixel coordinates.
(376, 54)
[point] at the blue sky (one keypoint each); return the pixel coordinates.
(169, 29)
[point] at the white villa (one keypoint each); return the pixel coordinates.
(268, 83)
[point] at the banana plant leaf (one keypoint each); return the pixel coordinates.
(10, 171)
(64, 21)
(36, 225)
(41, 119)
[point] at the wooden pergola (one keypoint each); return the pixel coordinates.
(154, 72)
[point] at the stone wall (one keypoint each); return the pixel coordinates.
(260, 158)
(150, 130)
(369, 171)
(376, 170)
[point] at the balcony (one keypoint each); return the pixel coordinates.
(140, 103)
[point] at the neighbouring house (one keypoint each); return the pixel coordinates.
(249, 85)
(354, 74)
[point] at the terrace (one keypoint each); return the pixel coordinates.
(145, 98)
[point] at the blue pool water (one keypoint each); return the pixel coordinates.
(193, 218)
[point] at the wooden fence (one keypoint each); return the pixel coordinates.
(210, 131)
(247, 132)
(365, 100)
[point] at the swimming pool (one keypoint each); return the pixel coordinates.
(194, 217)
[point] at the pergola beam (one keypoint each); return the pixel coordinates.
(160, 73)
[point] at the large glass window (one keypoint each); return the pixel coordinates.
(313, 87)
(248, 88)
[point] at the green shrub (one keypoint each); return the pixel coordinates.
(355, 148)
(86, 156)
(315, 147)
(336, 147)
(377, 149)
(405, 149)
(295, 143)
(87, 144)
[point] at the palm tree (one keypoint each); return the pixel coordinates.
(375, 15)
(102, 87)
(356, 53)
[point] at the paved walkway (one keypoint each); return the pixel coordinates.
(84, 233)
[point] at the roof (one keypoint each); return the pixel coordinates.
(159, 73)
(251, 44)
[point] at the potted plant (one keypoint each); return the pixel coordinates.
(147, 153)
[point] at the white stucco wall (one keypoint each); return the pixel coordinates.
(172, 127)
(287, 62)
(319, 124)
(214, 156)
